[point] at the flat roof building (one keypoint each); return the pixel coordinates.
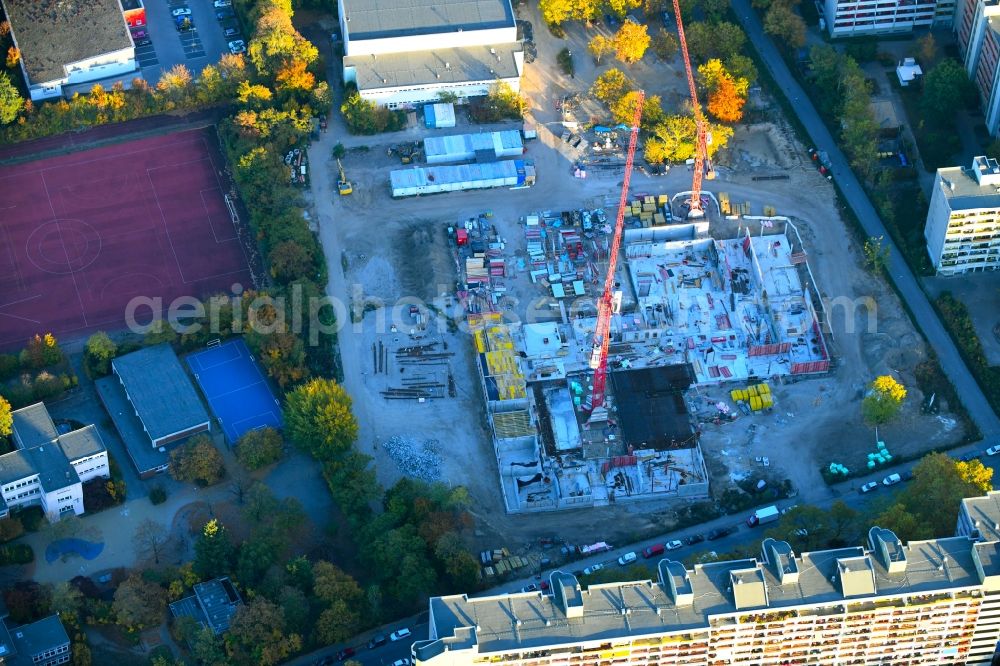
(212, 605)
(65, 42)
(41, 643)
(48, 468)
(473, 44)
(963, 219)
(153, 405)
(853, 18)
(926, 602)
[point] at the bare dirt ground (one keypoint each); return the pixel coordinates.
(384, 249)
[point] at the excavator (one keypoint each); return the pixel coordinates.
(343, 185)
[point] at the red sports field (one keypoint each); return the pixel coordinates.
(83, 234)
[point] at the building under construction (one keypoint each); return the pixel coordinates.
(693, 311)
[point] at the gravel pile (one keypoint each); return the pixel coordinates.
(419, 459)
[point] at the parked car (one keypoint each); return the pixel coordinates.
(891, 480)
(237, 46)
(693, 539)
(627, 558)
(788, 508)
(231, 32)
(145, 41)
(868, 487)
(219, 4)
(544, 585)
(674, 545)
(593, 568)
(181, 11)
(530, 588)
(720, 532)
(993, 450)
(345, 654)
(377, 641)
(405, 661)
(399, 634)
(653, 551)
(139, 34)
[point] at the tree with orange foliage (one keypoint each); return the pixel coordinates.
(295, 76)
(13, 57)
(725, 102)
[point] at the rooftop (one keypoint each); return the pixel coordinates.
(54, 33)
(35, 638)
(212, 605)
(974, 187)
(367, 19)
(33, 425)
(160, 390)
(144, 456)
(688, 599)
(438, 67)
(984, 512)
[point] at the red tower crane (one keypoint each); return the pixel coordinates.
(602, 336)
(701, 128)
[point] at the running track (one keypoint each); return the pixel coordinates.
(83, 234)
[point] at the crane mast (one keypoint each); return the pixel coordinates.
(701, 142)
(602, 334)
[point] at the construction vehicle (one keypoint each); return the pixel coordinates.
(343, 185)
(701, 161)
(602, 335)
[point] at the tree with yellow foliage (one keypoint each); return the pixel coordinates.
(631, 42)
(600, 46)
(884, 400)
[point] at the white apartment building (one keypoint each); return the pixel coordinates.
(69, 42)
(963, 220)
(48, 468)
(854, 18)
(927, 602)
(977, 27)
(401, 53)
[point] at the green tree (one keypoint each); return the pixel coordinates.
(674, 139)
(946, 87)
(257, 635)
(884, 400)
(197, 461)
(6, 418)
(458, 563)
(787, 26)
(259, 448)
(631, 42)
(353, 484)
(502, 102)
(365, 117)
(318, 419)
(208, 648)
(600, 46)
(213, 551)
(810, 528)
(741, 67)
(876, 255)
(344, 600)
(722, 40)
(565, 60)
(65, 600)
(664, 44)
(99, 351)
(11, 101)
(932, 498)
(139, 604)
(611, 86)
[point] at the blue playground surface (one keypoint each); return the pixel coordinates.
(88, 550)
(235, 388)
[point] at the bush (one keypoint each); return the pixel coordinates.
(16, 553)
(31, 518)
(565, 60)
(9, 366)
(365, 117)
(10, 529)
(158, 495)
(100, 494)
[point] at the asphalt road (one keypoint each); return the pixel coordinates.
(910, 290)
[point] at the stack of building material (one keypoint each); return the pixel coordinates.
(475, 269)
(757, 396)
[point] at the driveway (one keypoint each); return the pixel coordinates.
(909, 288)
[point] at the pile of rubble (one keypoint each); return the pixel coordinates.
(418, 459)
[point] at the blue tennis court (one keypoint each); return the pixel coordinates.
(235, 388)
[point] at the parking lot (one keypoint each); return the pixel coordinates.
(195, 44)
